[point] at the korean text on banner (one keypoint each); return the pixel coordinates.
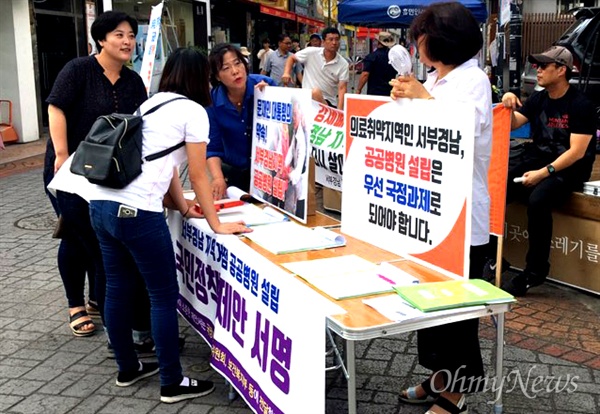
(280, 148)
(327, 140)
(151, 43)
(408, 178)
(498, 169)
(246, 308)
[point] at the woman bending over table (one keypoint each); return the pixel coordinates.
(133, 232)
(231, 118)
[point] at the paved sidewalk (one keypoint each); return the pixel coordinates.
(553, 336)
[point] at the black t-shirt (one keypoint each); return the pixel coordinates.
(554, 120)
(83, 93)
(380, 72)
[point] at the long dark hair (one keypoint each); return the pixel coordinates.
(451, 33)
(216, 60)
(186, 72)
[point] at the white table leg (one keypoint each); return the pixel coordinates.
(351, 366)
(499, 362)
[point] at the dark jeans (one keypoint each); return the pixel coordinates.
(540, 200)
(454, 347)
(142, 243)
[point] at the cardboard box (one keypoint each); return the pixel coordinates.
(332, 199)
(574, 256)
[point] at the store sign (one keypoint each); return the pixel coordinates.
(277, 12)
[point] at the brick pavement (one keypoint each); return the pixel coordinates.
(44, 369)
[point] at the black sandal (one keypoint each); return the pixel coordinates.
(92, 308)
(409, 395)
(76, 328)
(445, 404)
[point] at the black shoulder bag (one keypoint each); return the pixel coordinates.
(111, 154)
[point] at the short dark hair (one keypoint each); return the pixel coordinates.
(329, 30)
(451, 33)
(107, 22)
(186, 73)
(266, 40)
(216, 60)
(281, 37)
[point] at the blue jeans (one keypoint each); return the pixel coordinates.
(144, 242)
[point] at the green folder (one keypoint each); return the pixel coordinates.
(428, 297)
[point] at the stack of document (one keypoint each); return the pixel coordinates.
(290, 237)
(349, 276)
(435, 296)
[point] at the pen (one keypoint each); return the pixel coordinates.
(382, 277)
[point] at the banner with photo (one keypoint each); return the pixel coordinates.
(327, 137)
(265, 339)
(408, 178)
(280, 148)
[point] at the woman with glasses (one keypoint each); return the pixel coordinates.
(230, 115)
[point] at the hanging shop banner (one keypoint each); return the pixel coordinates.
(265, 340)
(280, 148)
(328, 143)
(408, 178)
(151, 45)
(282, 13)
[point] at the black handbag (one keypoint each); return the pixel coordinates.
(111, 154)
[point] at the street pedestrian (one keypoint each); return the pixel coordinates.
(377, 71)
(231, 117)
(325, 70)
(314, 40)
(448, 38)
(134, 236)
(264, 53)
(275, 63)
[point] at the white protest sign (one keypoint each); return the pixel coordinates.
(408, 178)
(328, 143)
(280, 148)
(265, 327)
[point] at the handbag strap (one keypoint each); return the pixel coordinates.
(169, 150)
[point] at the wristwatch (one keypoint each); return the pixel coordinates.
(550, 169)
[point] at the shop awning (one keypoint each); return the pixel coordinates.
(277, 12)
(309, 21)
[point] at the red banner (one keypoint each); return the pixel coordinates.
(309, 21)
(277, 13)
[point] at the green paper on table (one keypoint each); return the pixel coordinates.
(435, 296)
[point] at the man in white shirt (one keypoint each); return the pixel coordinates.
(325, 70)
(264, 53)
